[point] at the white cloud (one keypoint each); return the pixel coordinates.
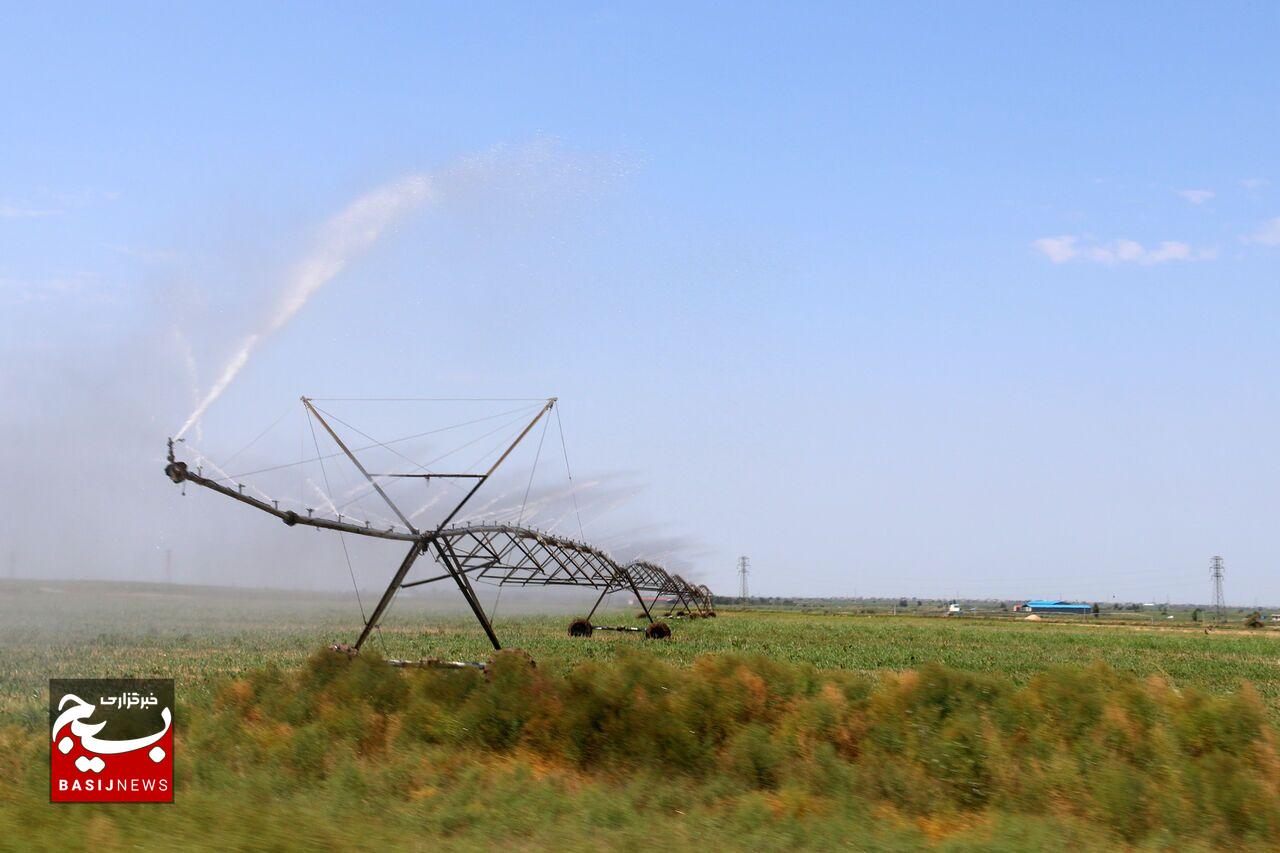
(1169, 250)
(1268, 234)
(1071, 247)
(1196, 196)
(1254, 183)
(1058, 249)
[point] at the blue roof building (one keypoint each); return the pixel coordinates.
(1054, 606)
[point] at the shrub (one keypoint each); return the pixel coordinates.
(1132, 756)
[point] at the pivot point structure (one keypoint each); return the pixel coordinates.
(499, 554)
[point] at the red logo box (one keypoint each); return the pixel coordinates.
(111, 740)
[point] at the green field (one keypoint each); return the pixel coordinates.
(773, 729)
(199, 634)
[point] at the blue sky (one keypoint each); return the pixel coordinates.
(900, 299)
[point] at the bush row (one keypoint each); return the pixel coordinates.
(1136, 756)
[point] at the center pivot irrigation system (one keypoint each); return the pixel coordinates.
(498, 554)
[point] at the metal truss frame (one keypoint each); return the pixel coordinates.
(499, 554)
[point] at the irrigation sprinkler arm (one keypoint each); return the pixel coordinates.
(179, 473)
(478, 548)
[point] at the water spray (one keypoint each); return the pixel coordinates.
(341, 240)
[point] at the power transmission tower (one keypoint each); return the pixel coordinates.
(744, 569)
(1219, 603)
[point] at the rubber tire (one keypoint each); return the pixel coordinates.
(658, 631)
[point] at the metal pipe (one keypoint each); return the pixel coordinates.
(179, 473)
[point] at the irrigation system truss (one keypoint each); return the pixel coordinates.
(498, 554)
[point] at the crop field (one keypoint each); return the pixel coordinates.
(776, 729)
(197, 635)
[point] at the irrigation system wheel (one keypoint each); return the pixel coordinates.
(658, 631)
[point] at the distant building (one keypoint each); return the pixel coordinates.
(1038, 606)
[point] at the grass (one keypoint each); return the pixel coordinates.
(197, 635)
(766, 730)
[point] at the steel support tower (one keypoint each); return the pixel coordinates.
(1217, 571)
